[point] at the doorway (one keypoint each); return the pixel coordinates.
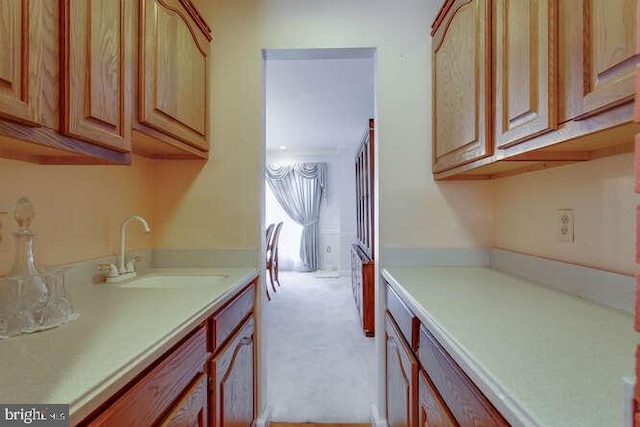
(317, 106)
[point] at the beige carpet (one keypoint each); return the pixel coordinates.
(320, 367)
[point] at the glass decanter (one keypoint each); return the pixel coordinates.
(34, 293)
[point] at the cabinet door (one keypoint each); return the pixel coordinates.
(96, 62)
(232, 386)
(461, 85)
(401, 378)
(173, 78)
(21, 37)
(525, 70)
(191, 410)
(432, 411)
(598, 53)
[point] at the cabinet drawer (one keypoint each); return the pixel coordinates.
(151, 396)
(464, 399)
(407, 322)
(229, 318)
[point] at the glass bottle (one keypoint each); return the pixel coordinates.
(33, 289)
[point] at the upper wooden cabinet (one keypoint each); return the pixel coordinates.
(461, 84)
(600, 57)
(561, 85)
(173, 78)
(526, 99)
(72, 90)
(95, 71)
(20, 60)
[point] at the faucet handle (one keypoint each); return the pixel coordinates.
(111, 268)
(130, 267)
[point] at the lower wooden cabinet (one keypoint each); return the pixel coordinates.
(425, 386)
(362, 285)
(465, 400)
(208, 379)
(401, 378)
(154, 394)
(231, 381)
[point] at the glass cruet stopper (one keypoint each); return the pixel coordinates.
(23, 213)
(34, 291)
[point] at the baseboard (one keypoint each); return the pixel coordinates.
(407, 257)
(376, 421)
(264, 419)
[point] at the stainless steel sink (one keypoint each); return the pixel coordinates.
(163, 281)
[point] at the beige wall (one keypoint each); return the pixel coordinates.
(216, 204)
(601, 194)
(415, 212)
(78, 208)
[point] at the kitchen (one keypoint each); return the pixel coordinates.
(214, 206)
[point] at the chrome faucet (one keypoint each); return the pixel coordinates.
(123, 270)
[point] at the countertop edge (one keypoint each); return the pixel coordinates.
(508, 407)
(98, 395)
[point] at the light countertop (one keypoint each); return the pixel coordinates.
(542, 357)
(119, 333)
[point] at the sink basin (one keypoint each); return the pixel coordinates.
(175, 281)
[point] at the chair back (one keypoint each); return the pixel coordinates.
(269, 234)
(273, 250)
(276, 237)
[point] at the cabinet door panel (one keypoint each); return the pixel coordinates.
(21, 59)
(600, 42)
(232, 389)
(174, 64)
(95, 74)
(401, 376)
(461, 69)
(191, 410)
(432, 411)
(526, 69)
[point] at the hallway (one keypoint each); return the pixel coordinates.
(320, 365)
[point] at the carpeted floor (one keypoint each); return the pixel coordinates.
(320, 364)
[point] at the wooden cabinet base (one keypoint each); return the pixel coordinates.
(362, 286)
(232, 381)
(208, 378)
(401, 377)
(424, 384)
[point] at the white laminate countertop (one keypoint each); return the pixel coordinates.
(542, 357)
(119, 333)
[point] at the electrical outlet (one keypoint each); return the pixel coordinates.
(4, 231)
(565, 225)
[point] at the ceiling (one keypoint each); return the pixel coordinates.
(318, 99)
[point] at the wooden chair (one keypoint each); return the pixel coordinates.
(269, 235)
(272, 257)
